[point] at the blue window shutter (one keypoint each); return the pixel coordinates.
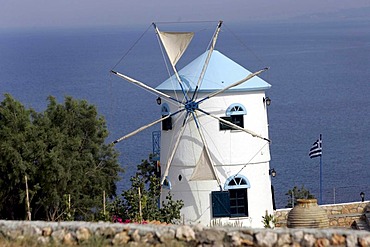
(220, 204)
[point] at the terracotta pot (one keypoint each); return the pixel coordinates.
(307, 214)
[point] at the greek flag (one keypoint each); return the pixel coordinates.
(316, 149)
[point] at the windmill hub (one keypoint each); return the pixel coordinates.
(191, 106)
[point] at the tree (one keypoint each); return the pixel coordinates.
(297, 193)
(15, 153)
(147, 181)
(63, 153)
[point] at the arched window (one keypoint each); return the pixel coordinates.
(166, 184)
(236, 109)
(234, 114)
(237, 182)
(233, 201)
(167, 123)
(165, 110)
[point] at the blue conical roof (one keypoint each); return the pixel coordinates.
(221, 72)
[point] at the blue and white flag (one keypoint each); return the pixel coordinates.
(316, 149)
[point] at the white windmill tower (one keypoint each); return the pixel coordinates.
(210, 158)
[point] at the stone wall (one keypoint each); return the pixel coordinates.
(340, 215)
(80, 233)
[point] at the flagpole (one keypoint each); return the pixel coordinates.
(321, 173)
(315, 151)
(321, 180)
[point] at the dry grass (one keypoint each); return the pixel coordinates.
(21, 242)
(32, 242)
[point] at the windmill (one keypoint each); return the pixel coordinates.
(189, 142)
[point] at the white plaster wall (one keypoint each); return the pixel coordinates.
(231, 151)
(227, 147)
(197, 194)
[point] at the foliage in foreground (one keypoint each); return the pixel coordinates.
(63, 155)
(297, 193)
(145, 191)
(269, 220)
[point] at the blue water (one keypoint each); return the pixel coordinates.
(320, 84)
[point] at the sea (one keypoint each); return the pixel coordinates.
(319, 72)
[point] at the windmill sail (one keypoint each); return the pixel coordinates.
(175, 44)
(203, 169)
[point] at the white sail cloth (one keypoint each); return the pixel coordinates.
(175, 44)
(203, 169)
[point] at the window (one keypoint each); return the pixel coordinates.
(236, 109)
(238, 203)
(236, 119)
(167, 184)
(237, 182)
(234, 114)
(167, 123)
(233, 201)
